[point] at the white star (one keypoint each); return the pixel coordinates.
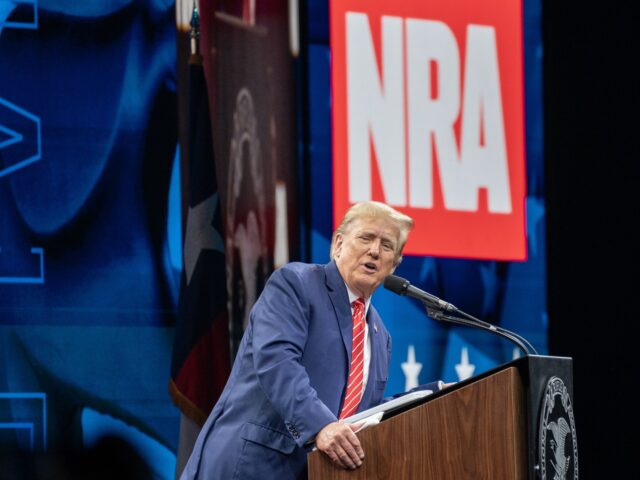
(464, 369)
(200, 233)
(411, 369)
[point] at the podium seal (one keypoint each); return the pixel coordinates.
(558, 444)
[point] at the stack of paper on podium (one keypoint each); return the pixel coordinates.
(388, 407)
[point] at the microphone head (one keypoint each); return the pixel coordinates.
(396, 284)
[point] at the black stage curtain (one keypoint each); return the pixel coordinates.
(592, 152)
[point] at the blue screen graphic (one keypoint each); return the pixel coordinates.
(89, 222)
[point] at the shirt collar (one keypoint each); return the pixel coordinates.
(353, 297)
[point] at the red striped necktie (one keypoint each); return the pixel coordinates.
(356, 370)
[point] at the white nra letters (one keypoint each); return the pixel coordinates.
(409, 104)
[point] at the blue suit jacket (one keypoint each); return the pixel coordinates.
(289, 378)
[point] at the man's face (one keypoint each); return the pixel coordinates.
(366, 253)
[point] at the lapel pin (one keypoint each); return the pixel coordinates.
(375, 327)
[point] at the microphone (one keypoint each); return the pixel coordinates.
(402, 286)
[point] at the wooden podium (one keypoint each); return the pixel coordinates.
(487, 427)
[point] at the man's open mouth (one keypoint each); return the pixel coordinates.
(371, 266)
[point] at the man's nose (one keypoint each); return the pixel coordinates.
(374, 249)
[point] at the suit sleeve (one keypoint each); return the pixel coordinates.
(280, 322)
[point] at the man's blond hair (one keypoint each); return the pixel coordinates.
(374, 210)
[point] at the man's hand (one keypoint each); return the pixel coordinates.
(342, 446)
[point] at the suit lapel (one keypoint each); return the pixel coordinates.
(340, 300)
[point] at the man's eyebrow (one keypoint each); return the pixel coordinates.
(385, 238)
(388, 239)
(373, 231)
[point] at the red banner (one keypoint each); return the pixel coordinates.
(428, 116)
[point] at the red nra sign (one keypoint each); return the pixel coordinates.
(428, 116)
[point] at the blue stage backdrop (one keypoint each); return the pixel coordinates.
(88, 196)
(510, 294)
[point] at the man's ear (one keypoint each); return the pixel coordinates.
(398, 262)
(338, 245)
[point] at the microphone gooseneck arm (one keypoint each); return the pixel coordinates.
(440, 310)
(502, 330)
(512, 337)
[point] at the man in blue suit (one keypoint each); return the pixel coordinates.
(289, 380)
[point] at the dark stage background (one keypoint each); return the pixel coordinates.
(591, 153)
